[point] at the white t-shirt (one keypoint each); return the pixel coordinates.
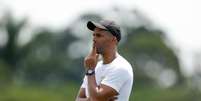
(118, 74)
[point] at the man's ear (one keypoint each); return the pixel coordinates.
(114, 39)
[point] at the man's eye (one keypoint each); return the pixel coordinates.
(98, 35)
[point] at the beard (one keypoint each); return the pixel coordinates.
(99, 50)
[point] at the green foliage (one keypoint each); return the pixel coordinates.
(143, 45)
(4, 73)
(9, 53)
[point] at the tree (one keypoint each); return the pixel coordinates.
(9, 52)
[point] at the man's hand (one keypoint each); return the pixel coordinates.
(91, 60)
(113, 98)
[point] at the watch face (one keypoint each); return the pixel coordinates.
(90, 71)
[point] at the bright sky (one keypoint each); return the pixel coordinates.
(181, 19)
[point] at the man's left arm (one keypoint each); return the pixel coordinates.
(102, 92)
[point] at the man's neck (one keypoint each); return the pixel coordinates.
(109, 56)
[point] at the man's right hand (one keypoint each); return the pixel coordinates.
(91, 60)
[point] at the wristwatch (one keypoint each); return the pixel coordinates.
(90, 72)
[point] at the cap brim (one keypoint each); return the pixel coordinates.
(92, 25)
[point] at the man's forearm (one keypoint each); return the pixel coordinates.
(93, 88)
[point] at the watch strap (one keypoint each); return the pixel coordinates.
(90, 72)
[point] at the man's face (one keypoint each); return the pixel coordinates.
(102, 39)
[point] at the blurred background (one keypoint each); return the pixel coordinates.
(43, 44)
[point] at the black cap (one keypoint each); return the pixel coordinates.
(108, 25)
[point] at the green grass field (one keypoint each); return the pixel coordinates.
(68, 93)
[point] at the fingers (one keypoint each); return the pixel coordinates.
(93, 52)
(113, 98)
(91, 60)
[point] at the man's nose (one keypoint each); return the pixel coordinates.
(94, 39)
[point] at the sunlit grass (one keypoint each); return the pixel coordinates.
(39, 93)
(68, 92)
(179, 93)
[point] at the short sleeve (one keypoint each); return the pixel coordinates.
(116, 79)
(84, 83)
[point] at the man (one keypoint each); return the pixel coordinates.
(110, 79)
